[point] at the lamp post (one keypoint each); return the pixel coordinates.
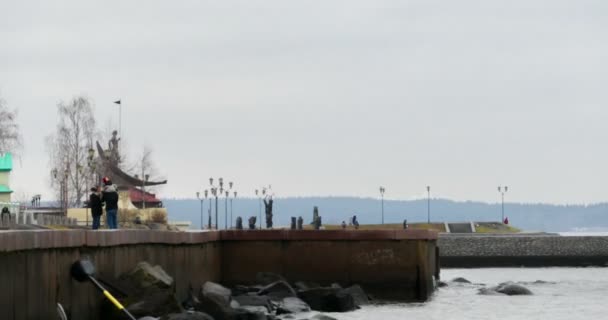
(382, 191)
(502, 191)
(428, 204)
(257, 194)
(216, 191)
(231, 207)
(91, 165)
(198, 196)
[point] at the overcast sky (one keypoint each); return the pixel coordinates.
(327, 97)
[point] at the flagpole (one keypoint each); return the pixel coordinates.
(119, 103)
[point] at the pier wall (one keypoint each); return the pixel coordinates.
(471, 251)
(34, 265)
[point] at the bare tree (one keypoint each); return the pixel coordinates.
(146, 169)
(69, 146)
(10, 138)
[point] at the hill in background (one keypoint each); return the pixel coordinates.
(334, 210)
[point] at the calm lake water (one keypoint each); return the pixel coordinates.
(570, 293)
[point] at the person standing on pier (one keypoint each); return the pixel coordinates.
(96, 207)
(110, 198)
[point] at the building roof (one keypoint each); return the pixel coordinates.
(6, 162)
(5, 189)
(136, 195)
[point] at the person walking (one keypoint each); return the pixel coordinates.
(96, 206)
(110, 198)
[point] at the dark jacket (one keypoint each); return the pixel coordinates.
(95, 204)
(110, 198)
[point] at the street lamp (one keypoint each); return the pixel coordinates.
(428, 204)
(216, 192)
(198, 196)
(502, 191)
(231, 206)
(257, 194)
(382, 191)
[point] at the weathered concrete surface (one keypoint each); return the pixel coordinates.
(391, 264)
(522, 250)
(34, 265)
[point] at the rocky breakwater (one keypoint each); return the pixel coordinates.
(149, 293)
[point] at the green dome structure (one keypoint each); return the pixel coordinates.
(6, 166)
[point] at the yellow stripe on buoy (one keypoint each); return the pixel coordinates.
(114, 301)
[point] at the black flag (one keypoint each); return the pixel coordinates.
(117, 101)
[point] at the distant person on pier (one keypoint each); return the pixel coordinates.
(355, 222)
(343, 225)
(96, 206)
(5, 212)
(110, 198)
(506, 221)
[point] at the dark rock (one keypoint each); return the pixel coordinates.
(292, 305)
(361, 298)
(301, 285)
(489, 292)
(441, 284)
(146, 290)
(278, 291)
(191, 300)
(244, 290)
(266, 278)
(243, 314)
(216, 289)
(254, 301)
(152, 303)
(214, 305)
(513, 289)
(187, 316)
(336, 285)
(328, 300)
(254, 309)
(322, 317)
(461, 280)
(145, 276)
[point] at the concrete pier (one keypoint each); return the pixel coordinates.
(517, 250)
(34, 265)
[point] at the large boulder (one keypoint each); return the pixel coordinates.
(512, 289)
(217, 290)
(146, 291)
(461, 280)
(215, 305)
(187, 316)
(322, 317)
(302, 285)
(292, 305)
(155, 303)
(328, 300)
(244, 290)
(266, 278)
(361, 298)
(146, 276)
(278, 291)
(489, 292)
(253, 301)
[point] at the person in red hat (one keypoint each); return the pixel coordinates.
(110, 198)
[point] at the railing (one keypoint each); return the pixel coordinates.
(22, 216)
